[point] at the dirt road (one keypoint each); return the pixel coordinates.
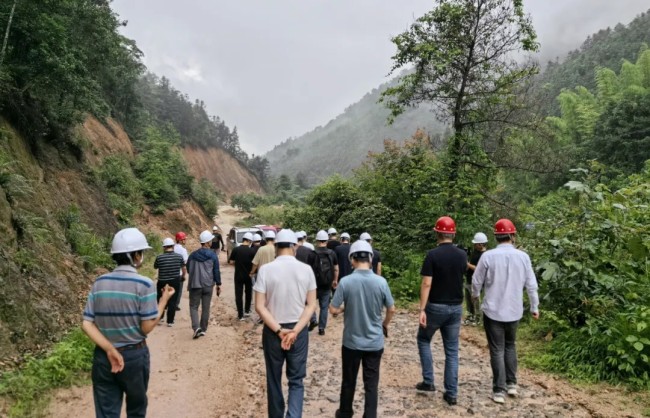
(222, 374)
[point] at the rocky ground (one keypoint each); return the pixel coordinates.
(222, 375)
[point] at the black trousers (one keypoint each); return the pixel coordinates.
(243, 286)
(371, 360)
(171, 304)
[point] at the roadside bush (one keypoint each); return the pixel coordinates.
(267, 215)
(246, 201)
(207, 196)
(162, 170)
(124, 189)
(590, 245)
(68, 363)
(92, 248)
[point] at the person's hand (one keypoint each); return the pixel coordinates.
(167, 292)
(288, 337)
(116, 360)
(185, 276)
(335, 284)
(535, 315)
(218, 290)
(385, 329)
(423, 319)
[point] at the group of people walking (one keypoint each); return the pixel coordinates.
(292, 283)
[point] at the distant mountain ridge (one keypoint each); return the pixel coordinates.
(344, 142)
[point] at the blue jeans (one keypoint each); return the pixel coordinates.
(109, 388)
(445, 318)
(296, 358)
(324, 296)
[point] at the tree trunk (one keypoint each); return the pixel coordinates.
(6, 38)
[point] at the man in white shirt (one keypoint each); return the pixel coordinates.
(179, 248)
(281, 290)
(504, 273)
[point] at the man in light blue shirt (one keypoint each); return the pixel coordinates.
(504, 273)
(365, 295)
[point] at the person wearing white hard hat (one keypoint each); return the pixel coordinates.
(217, 241)
(479, 241)
(362, 297)
(306, 242)
(179, 248)
(376, 255)
(327, 276)
(342, 253)
(203, 269)
(257, 240)
(120, 312)
(168, 264)
(281, 290)
(242, 257)
(265, 254)
(332, 241)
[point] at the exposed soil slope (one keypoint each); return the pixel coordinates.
(216, 165)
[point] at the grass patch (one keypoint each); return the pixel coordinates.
(28, 389)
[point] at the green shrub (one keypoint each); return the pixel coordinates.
(405, 283)
(246, 201)
(207, 196)
(68, 363)
(266, 215)
(124, 189)
(92, 248)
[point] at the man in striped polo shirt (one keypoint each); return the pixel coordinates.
(121, 310)
(168, 264)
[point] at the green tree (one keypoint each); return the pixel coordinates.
(463, 58)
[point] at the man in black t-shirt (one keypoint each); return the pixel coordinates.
(217, 241)
(342, 254)
(332, 242)
(480, 245)
(441, 307)
(242, 258)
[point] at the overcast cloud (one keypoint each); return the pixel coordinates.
(280, 68)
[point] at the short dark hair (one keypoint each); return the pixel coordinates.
(283, 244)
(122, 259)
(503, 237)
(445, 235)
(362, 256)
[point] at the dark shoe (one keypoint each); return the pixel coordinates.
(202, 333)
(247, 314)
(425, 387)
(178, 309)
(449, 399)
(321, 332)
(312, 325)
(197, 333)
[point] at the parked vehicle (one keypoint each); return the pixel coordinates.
(236, 235)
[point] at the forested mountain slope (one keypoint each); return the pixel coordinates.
(343, 144)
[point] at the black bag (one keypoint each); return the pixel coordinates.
(324, 268)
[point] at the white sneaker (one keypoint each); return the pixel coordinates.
(499, 398)
(512, 390)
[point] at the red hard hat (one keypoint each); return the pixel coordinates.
(445, 225)
(504, 227)
(180, 236)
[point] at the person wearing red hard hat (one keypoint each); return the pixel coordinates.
(503, 273)
(441, 307)
(179, 248)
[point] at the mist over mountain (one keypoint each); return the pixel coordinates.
(344, 142)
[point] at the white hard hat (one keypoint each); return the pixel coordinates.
(345, 235)
(215, 228)
(298, 235)
(361, 246)
(321, 236)
(168, 242)
(205, 236)
(248, 236)
(271, 234)
(128, 240)
(480, 238)
(331, 231)
(285, 236)
(309, 245)
(257, 237)
(365, 236)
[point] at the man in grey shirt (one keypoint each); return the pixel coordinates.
(365, 295)
(504, 273)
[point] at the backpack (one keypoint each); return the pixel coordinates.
(324, 269)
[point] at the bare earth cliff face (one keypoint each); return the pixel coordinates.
(216, 165)
(43, 284)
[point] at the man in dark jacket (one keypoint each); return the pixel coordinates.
(242, 258)
(217, 241)
(203, 269)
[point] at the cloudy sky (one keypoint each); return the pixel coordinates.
(279, 68)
